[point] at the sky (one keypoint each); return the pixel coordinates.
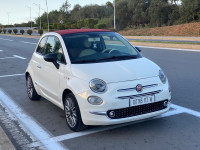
(19, 11)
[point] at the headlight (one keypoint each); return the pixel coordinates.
(162, 76)
(94, 100)
(98, 86)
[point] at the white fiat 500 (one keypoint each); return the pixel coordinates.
(97, 77)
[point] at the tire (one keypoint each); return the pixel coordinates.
(32, 94)
(72, 114)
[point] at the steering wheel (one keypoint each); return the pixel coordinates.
(109, 50)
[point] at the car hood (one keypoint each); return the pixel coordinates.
(116, 71)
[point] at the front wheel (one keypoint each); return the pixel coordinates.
(32, 94)
(72, 114)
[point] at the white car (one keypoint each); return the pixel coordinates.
(97, 77)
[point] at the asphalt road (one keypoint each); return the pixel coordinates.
(176, 130)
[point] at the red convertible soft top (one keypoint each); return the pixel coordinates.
(70, 31)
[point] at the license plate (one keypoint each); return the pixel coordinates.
(142, 100)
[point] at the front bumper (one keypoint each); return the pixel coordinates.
(98, 114)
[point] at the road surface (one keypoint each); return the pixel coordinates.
(41, 125)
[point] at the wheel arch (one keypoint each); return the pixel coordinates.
(65, 92)
(26, 74)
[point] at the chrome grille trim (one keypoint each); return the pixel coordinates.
(132, 89)
(138, 95)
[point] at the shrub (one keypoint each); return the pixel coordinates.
(40, 32)
(68, 25)
(55, 26)
(73, 26)
(29, 32)
(89, 22)
(4, 31)
(22, 31)
(51, 27)
(0, 30)
(100, 26)
(61, 26)
(80, 24)
(15, 31)
(10, 31)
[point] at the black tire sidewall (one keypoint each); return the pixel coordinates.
(79, 125)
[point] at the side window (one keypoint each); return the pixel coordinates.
(41, 46)
(53, 45)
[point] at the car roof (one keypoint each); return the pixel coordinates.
(70, 31)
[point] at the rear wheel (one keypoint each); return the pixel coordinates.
(32, 94)
(72, 114)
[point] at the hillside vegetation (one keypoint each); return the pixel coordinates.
(129, 14)
(188, 29)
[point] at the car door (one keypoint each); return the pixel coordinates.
(37, 63)
(50, 74)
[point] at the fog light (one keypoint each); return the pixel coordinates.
(165, 104)
(94, 100)
(112, 114)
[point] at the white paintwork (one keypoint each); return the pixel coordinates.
(51, 83)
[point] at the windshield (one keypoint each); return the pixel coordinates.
(95, 47)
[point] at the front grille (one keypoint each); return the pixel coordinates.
(137, 110)
(132, 89)
(138, 95)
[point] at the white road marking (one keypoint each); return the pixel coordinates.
(28, 42)
(1, 50)
(18, 132)
(187, 110)
(7, 57)
(19, 57)
(103, 128)
(14, 56)
(12, 75)
(30, 123)
(6, 39)
(176, 49)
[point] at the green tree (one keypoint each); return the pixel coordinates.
(15, 31)
(22, 31)
(40, 32)
(190, 11)
(4, 31)
(9, 31)
(29, 32)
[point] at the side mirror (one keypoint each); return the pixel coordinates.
(52, 57)
(139, 50)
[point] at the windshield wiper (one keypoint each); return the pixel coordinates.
(119, 57)
(84, 61)
(102, 59)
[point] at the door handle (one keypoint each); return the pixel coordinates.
(39, 66)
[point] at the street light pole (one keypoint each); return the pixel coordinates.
(30, 15)
(39, 15)
(8, 17)
(114, 15)
(47, 15)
